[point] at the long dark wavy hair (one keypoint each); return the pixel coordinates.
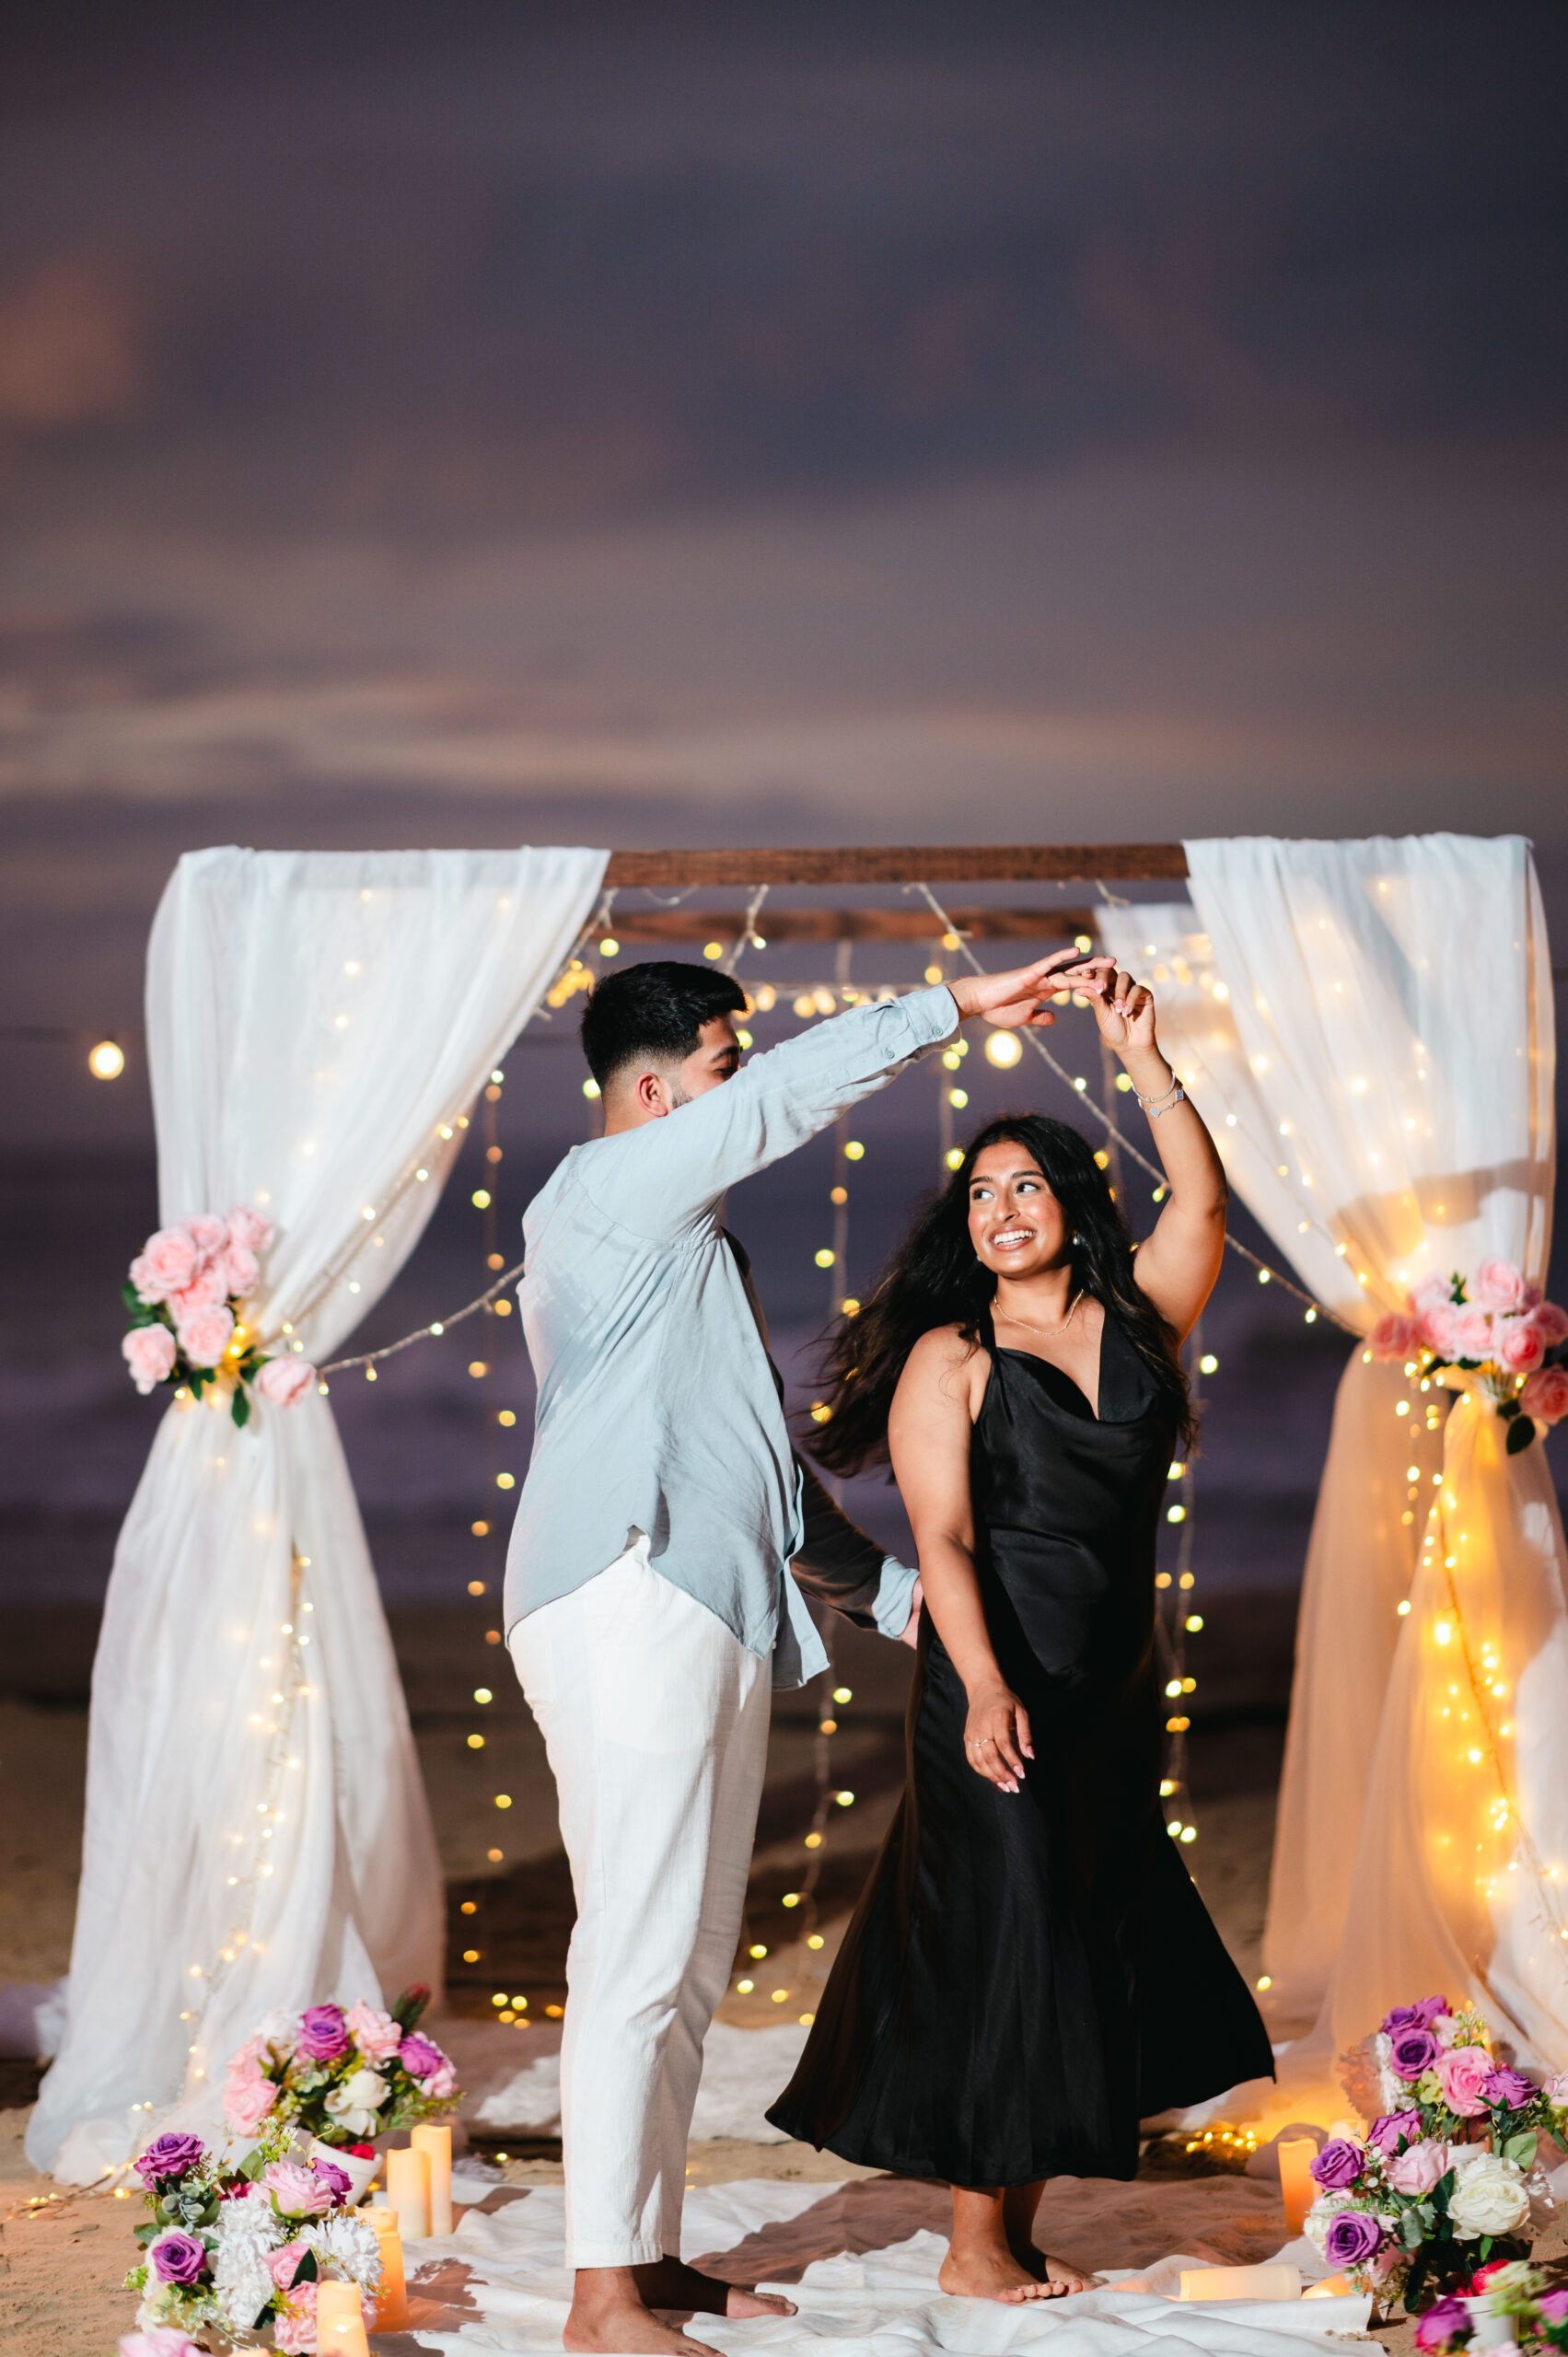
(934, 1279)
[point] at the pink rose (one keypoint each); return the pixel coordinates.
(148, 1352)
(1436, 1328)
(283, 2264)
(1499, 1285)
(1462, 2073)
(206, 1335)
(376, 2034)
(207, 1233)
(1520, 1346)
(285, 1381)
(245, 1226)
(240, 1270)
(294, 2327)
(1473, 1332)
(1545, 1394)
(1551, 1323)
(1417, 2169)
(247, 2096)
(297, 2189)
(1393, 1336)
(1437, 1293)
(166, 1262)
(206, 1290)
(159, 2341)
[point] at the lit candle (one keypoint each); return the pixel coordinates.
(437, 2145)
(408, 2189)
(1298, 2189)
(339, 2321)
(1275, 2280)
(391, 2304)
(1331, 2287)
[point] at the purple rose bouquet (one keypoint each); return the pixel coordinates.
(344, 2075)
(232, 2251)
(1446, 2175)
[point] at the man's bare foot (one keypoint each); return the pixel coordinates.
(988, 2273)
(670, 2284)
(621, 2326)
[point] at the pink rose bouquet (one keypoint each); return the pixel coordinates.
(1497, 1329)
(235, 2251)
(1447, 2175)
(343, 2075)
(186, 1293)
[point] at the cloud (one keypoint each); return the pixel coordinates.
(71, 349)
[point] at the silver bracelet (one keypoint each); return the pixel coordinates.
(1163, 1102)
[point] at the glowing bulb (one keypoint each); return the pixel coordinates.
(1003, 1049)
(107, 1060)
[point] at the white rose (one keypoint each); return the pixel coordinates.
(1321, 2216)
(357, 2103)
(1489, 2196)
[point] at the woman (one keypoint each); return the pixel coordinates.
(1030, 1970)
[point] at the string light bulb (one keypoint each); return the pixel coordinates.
(107, 1059)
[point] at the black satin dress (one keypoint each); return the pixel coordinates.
(1028, 1976)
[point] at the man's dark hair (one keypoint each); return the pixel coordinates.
(653, 1013)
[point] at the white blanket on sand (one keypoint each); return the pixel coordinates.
(860, 2259)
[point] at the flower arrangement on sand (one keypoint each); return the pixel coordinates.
(1447, 2177)
(186, 1294)
(344, 2076)
(1496, 1329)
(231, 2251)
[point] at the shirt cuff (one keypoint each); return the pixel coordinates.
(932, 1015)
(894, 1600)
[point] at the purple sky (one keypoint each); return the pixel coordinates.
(743, 424)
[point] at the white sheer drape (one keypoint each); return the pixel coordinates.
(1386, 1112)
(256, 1827)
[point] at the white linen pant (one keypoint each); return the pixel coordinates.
(655, 1720)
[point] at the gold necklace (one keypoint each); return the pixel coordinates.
(1046, 1333)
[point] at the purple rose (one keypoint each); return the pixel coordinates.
(1392, 2128)
(337, 2180)
(168, 2157)
(1553, 2305)
(419, 2057)
(1338, 2164)
(1412, 2051)
(1508, 2087)
(1438, 2327)
(323, 2033)
(1352, 2238)
(180, 2258)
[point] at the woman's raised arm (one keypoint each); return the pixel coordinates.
(1178, 1262)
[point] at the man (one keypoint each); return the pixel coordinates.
(650, 1604)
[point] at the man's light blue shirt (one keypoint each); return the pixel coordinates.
(658, 1410)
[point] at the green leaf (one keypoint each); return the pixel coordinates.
(1521, 2149)
(239, 1406)
(1521, 1431)
(1508, 1409)
(307, 2270)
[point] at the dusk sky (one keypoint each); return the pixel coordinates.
(739, 423)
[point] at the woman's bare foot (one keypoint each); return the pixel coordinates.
(1047, 2269)
(670, 2284)
(991, 2273)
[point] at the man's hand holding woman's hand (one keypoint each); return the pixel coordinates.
(1011, 1001)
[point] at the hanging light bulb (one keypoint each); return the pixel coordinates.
(107, 1059)
(1003, 1049)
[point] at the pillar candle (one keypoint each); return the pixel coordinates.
(408, 2189)
(1329, 2287)
(1276, 2281)
(391, 2304)
(436, 2144)
(1297, 2191)
(339, 2321)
